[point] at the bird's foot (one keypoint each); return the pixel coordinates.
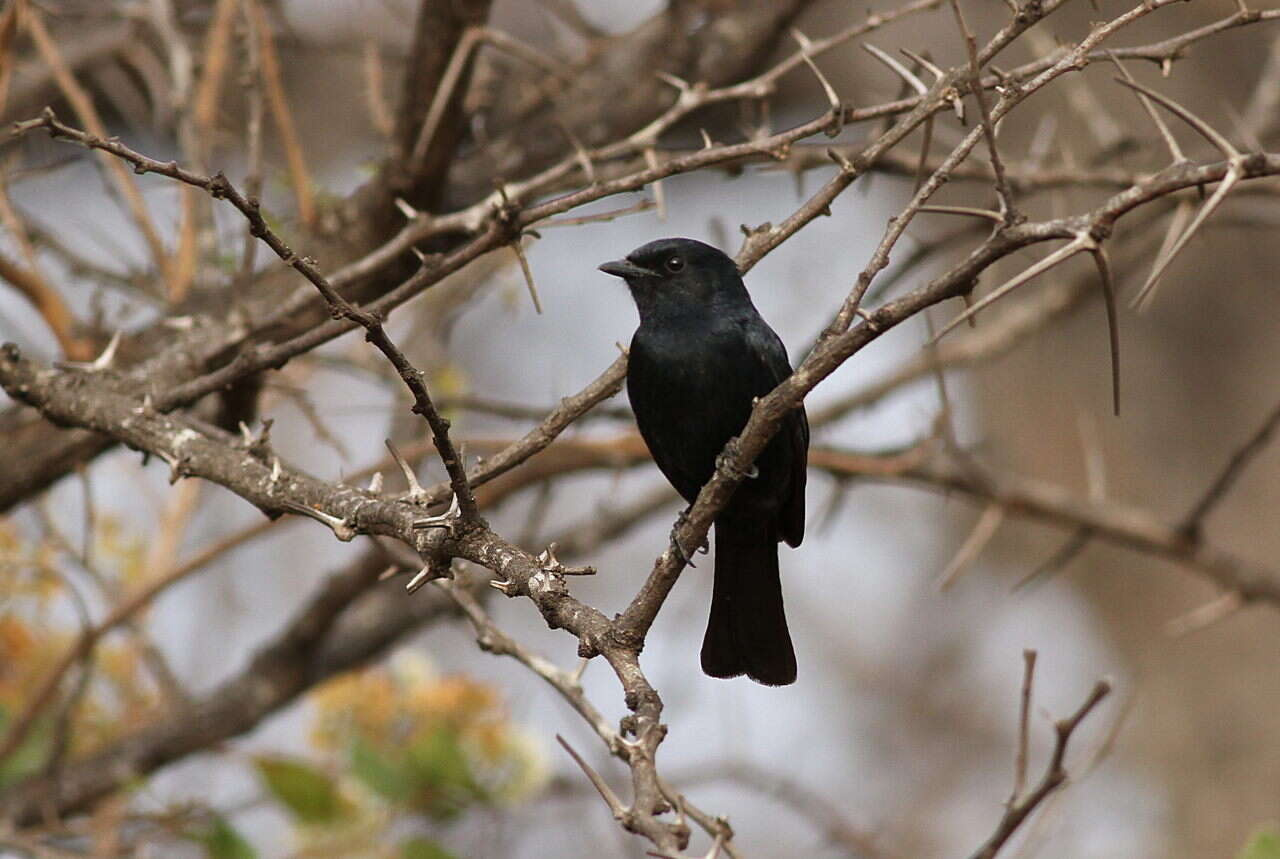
(725, 463)
(675, 543)
(676, 546)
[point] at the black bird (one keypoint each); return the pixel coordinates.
(700, 357)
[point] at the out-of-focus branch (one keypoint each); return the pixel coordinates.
(125, 611)
(46, 300)
(1230, 473)
(131, 408)
(730, 49)
(439, 36)
(334, 632)
(83, 105)
(1055, 775)
(840, 341)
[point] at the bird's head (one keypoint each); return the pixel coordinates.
(683, 273)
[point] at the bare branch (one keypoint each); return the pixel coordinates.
(988, 125)
(1231, 473)
(1054, 777)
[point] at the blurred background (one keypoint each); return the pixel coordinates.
(900, 736)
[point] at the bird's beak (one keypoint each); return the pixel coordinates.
(626, 269)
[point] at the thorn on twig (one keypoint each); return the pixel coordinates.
(926, 144)
(507, 588)
(867, 317)
(924, 62)
(341, 528)
(406, 209)
(1233, 176)
(620, 812)
(260, 444)
(1181, 215)
(837, 115)
(1099, 254)
(416, 494)
(518, 249)
(841, 161)
(549, 563)
(1081, 242)
(1208, 614)
(432, 571)
(1003, 192)
(1205, 129)
(682, 86)
(659, 190)
(448, 520)
(1169, 140)
(276, 472)
(965, 210)
(987, 525)
(1066, 553)
(580, 152)
(107, 358)
(898, 68)
(104, 361)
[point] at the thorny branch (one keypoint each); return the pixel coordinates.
(128, 408)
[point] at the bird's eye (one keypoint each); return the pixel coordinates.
(674, 264)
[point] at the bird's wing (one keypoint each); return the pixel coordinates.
(791, 444)
(672, 398)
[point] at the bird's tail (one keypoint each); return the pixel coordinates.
(747, 631)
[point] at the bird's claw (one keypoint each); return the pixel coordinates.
(679, 549)
(725, 464)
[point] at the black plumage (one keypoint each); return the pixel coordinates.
(699, 359)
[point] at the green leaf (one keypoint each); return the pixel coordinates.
(442, 781)
(423, 848)
(28, 758)
(1264, 844)
(304, 790)
(389, 779)
(438, 760)
(221, 841)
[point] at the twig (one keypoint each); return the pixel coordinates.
(253, 143)
(444, 94)
(217, 52)
(1175, 151)
(1055, 775)
(84, 108)
(988, 125)
(1226, 479)
(219, 187)
(273, 83)
(1024, 719)
(375, 98)
(1234, 159)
